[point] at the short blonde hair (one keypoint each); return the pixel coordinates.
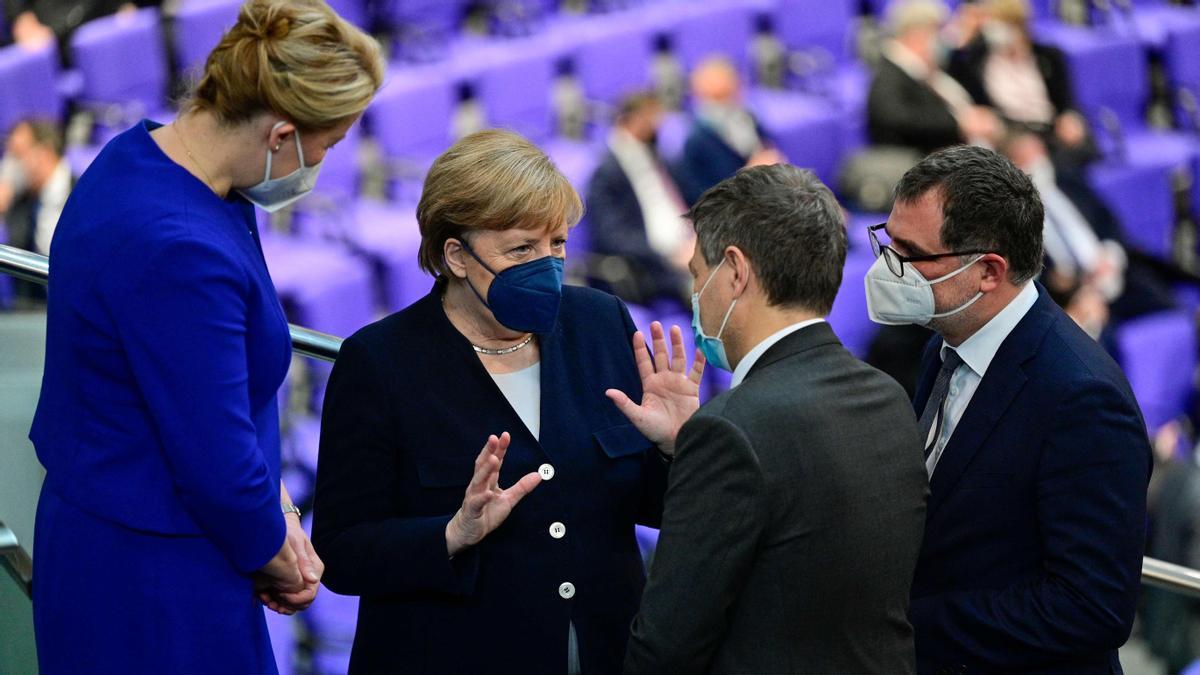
(297, 59)
(491, 180)
(907, 15)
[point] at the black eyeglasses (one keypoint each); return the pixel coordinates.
(895, 261)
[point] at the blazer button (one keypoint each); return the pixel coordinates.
(546, 471)
(567, 590)
(558, 530)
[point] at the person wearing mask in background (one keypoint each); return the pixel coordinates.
(796, 501)
(1026, 83)
(912, 102)
(526, 549)
(725, 136)
(1036, 449)
(635, 206)
(165, 348)
(35, 180)
(1086, 258)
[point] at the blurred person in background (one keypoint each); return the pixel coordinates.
(724, 136)
(35, 180)
(1025, 83)
(166, 345)
(912, 102)
(520, 557)
(636, 209)
(1085, 255)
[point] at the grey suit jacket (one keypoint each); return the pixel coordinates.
(793, 519)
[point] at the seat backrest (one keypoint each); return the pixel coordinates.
(612, 58)
(199, 25)
(28, 85)
(122, 59)
(826, 25)
(411, 115)
(1158, 355)
(1107, 70)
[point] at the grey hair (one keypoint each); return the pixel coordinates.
(789, 226)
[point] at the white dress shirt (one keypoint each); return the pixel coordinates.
(977, 353)
(751, 357)
(662, 207)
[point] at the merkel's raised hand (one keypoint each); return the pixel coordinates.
(486, 506)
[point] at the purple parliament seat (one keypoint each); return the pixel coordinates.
(806, 128)
(723, 27)
(321, 286)
(849, 317)
(1141, 198)
(1158, 355)
(123, 62)
(199, 25)
(28, 85)
(410, 119)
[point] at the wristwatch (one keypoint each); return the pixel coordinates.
(290, 508)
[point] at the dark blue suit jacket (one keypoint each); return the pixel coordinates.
(1036, 520)
(408, 408)
(618, 229)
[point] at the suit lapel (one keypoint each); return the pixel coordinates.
(1004, 379)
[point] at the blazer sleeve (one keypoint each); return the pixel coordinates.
(359, 529)
(1091, 497)
(654, 470)
(705, 551)
(183, 323)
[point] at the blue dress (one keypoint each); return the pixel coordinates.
(157, 424)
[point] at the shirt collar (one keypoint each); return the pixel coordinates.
(748, 361)
(978, 350)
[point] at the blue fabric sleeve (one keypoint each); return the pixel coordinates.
(182, 320)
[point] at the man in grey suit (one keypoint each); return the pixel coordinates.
(796, 502)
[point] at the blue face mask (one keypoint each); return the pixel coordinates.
(524, 297)
(712, 346)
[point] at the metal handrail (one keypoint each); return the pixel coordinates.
(36, 268)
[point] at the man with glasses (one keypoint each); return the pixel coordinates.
(1036, 450)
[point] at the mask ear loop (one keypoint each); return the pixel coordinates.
(728, 312)
(964, 268)
(467, 247)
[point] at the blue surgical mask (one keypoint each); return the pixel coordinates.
(524, 297)
(712, 346)
(273, 194)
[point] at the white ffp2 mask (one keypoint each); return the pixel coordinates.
(897, 301)
(273, 194)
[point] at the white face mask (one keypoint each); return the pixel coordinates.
(273, 194)
(896, 301)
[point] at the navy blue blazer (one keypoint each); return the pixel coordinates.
(618, 228)
(407, 410)
(1036, 519)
